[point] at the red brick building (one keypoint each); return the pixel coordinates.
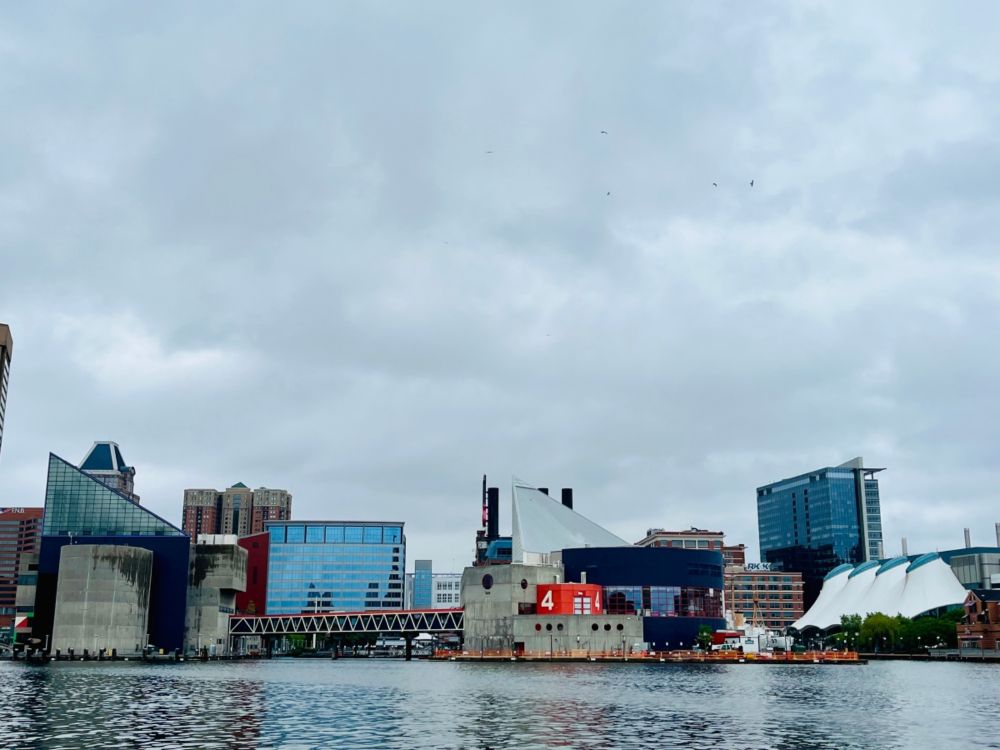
(20, 533)
(980, 628)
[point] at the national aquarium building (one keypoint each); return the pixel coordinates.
(104, 562)
(572, 587)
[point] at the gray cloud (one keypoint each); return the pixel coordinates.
(274, 249)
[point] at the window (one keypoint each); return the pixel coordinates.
(392, 535)
(277, 534)
(353, 535)
(373, 535)
(296, 534)
(314, 534)
(334, 534)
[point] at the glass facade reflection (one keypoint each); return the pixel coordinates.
(663, 601)
(329, 566)
(423, 577)
(814, 522)
(79, 505)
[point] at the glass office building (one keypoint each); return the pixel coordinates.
(423, 584)
(334, 566)
(814, 522)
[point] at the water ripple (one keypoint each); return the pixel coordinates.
(289, 703)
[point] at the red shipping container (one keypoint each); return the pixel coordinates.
(569, 599)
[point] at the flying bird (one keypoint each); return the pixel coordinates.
(715, 184)
(751, 183)
(489, 152)
(604, 132)
(609, 192)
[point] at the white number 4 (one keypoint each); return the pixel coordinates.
(547, 601)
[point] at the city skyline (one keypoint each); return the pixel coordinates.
(238, 264)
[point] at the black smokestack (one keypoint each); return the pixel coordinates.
(493, 513)
(567, 497)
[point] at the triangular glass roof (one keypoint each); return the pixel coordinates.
(79, 505)
(239, 486)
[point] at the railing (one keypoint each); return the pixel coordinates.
(658, 656)
(399, 621)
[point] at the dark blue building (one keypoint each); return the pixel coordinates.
(814, 522)
(674, 590)
(81, 509)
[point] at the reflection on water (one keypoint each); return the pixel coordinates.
(390, 704)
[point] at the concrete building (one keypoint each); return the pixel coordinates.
(236, 510)
(975, 567)
(104, 462)
(574, 588)
(217, 574)
(20, 535)
(6, 354)
(818, 520)
(761, 595)
(102, 599)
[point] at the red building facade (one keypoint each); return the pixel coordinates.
(253, 601)
(20, 534)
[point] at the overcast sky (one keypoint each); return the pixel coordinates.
(370, 252)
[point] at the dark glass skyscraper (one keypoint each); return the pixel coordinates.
(6, 349)
(816, 521)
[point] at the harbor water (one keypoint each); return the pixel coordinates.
(359, 703)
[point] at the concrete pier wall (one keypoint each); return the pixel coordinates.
(102, 599)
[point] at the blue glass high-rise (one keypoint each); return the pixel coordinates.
(335, 566)
(815, 521)
(423, 584)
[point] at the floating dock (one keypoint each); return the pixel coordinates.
(664, 657)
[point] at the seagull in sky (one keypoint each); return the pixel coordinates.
(751, 183)
(604, 132)
(715, 184)
(609, 192)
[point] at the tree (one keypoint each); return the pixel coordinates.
(705, 637)
(879, 631)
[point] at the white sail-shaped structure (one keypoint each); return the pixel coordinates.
(901, 586)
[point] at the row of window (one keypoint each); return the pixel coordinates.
(336, 534)
(663, 601)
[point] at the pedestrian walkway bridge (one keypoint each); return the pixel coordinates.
(400, 622)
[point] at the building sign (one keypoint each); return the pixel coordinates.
(11, 510)
(569, 599)
(750, 567)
